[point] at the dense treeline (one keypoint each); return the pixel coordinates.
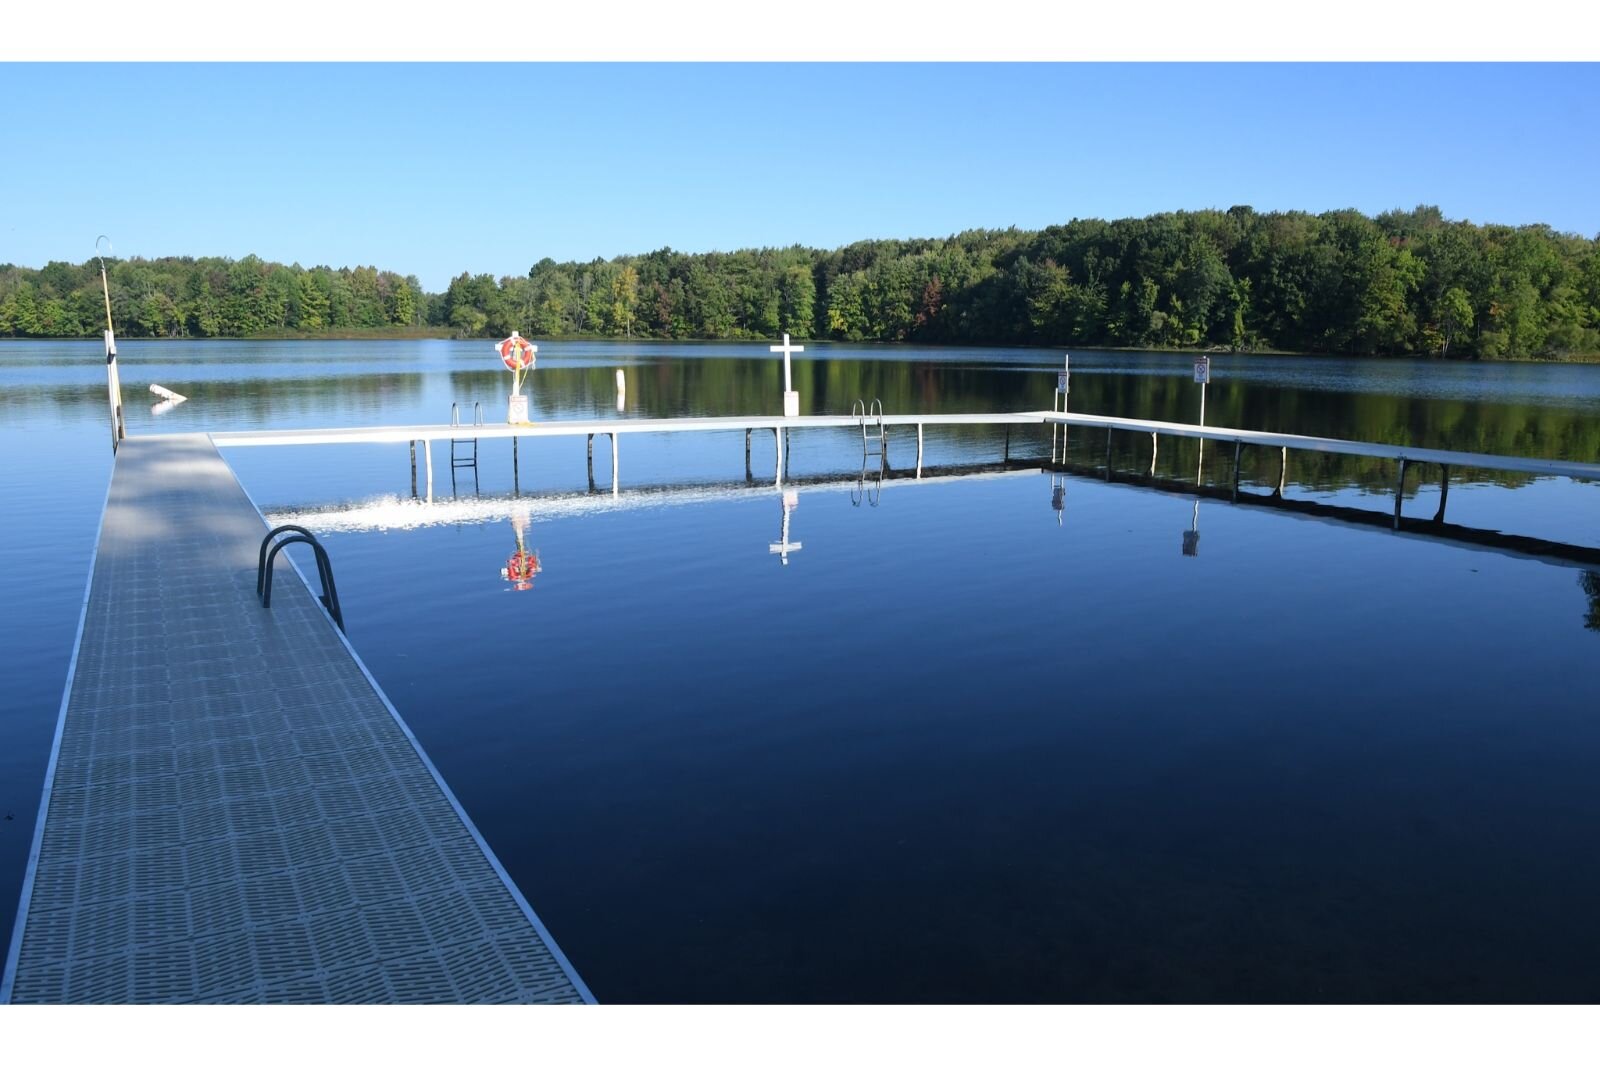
(1405, 282)
(204, 298)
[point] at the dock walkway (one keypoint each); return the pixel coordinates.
(612, 427)
(234, 812)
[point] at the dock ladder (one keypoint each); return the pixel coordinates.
(464, 459)
(873, 437)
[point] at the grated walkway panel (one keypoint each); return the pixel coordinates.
(234, 812)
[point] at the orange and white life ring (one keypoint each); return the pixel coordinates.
(516, 353)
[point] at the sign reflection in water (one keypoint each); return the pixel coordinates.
(523, 564)
(791, 500)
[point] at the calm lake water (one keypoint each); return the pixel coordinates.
(963, 744)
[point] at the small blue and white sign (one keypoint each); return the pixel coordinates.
(1202, 370)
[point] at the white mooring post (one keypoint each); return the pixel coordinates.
(1063, 386)
(113, 376)
(1202, 377)
(791, 399)
(114, 385)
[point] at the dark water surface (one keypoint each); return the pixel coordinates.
(962, 745)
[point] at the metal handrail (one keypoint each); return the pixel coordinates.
(477, 413)
(863, 413)
(266, 559)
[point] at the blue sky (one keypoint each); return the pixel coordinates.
(435, 169)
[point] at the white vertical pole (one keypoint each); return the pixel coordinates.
(919, 451)
(614, 464)
(114, 387)
(427, 455)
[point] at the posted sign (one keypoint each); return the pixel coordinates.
(1202, 370)
(1061, 381)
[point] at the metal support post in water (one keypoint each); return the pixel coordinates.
(1155, 445)
(1444, 492)
(614, 465)
(413, 469)
(919, 451)
(747, 455)
(1108, 453)
(516, 474)
(427, 457)
(1399, 492)
(1006, 457)
(777, 453)
(1238, 447)
(1283, 470)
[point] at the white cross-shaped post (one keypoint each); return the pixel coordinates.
(791, 399)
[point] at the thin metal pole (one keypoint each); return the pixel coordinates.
(1155, 445)
(516, 477)
(413, 469)
(777, 452)
(1283, 469)
(1399, 492)
(1007, 455)
(1444, 492)
(919, 451)
(1108, 453)
(614, 464)
(1238, 447)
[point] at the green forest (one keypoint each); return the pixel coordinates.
(1402, 283)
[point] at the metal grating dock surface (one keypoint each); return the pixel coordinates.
(234, 812)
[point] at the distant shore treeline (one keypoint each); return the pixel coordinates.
(1405, 282)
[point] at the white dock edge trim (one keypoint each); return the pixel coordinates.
(483, 845)
(597, 427)
(1477, 460)
(724, 423)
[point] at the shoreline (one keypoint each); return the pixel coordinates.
(437, 333)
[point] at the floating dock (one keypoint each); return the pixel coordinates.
(233, 811)
(613, 427)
